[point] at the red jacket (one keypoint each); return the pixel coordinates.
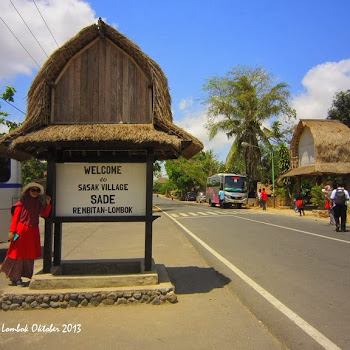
(27, 246)
(263, 195)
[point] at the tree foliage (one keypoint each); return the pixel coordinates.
(33, 169)
(8, 96)
(238, 104)
(340, 109)
(186, 175)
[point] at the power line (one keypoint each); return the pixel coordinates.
(20, 43)
(29, 28)
(13, 105)
(45, 23)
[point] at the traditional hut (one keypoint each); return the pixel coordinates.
(99, 91)
(320, 148)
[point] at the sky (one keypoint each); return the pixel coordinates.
(302, 43)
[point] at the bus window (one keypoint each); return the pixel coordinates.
(235, 184)
(5, 169)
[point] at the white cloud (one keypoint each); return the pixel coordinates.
(194, 122)
(321, 83)
(3, 129)
(64, 18)
(185, 103)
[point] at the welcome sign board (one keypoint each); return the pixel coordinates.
(100, 189)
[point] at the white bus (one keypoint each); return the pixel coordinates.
(10, 192)
(235, 188)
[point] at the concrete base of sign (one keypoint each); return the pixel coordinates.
(95, 274)
(79, 291)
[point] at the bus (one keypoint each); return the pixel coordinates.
(10, 192)
(235, 188)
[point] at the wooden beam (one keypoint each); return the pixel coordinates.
(50, 190)
(149, 208)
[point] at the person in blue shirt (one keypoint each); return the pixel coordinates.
(221, 197)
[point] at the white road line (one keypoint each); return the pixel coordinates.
(200, 212)
(305, 326)
(193, 214)
(174, 215)
(212, 213)
(183, 214)
(296, 230)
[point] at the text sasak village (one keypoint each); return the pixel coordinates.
(107, 199)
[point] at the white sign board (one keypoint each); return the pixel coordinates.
(100, 189)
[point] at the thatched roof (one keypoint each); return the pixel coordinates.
(37, 133)
(331, 145)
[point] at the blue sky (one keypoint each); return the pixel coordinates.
(303, 43)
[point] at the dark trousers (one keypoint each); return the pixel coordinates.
(340, 213)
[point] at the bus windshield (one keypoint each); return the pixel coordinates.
(235, 184)
(5, 169)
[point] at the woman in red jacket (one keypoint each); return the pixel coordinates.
(24, 234)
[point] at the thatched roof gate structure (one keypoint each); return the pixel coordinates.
(99, 98)
(320, 148)
(99, 91)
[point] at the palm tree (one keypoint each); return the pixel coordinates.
(238, 104)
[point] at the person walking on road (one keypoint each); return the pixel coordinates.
(327, 193)
(339, 197)
(221, 198)
(24, 234)
(263, 199)
(299, 202)
(259, 198)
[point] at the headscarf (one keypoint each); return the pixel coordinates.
(31, 208)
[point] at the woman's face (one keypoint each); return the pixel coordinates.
(34, 192)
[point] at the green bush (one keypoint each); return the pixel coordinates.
(317, 197)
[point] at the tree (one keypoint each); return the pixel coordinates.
(340, 109)
(8, 96)
(238, 104)
(186, 175)
(178, 178)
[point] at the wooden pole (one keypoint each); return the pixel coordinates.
(149, 211)
(57, 243)
(50, 190)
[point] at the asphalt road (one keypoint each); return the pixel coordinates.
(292, 272)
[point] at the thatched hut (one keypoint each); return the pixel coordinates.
(320, 148)
(99, 91)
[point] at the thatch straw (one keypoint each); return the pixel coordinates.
(331, 139)
(35, 128)
(331, 145)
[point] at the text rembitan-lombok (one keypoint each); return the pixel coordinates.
(102, 210)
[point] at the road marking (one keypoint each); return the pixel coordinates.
(193, 214)
(296, 230)
(174, 215)
(200, 212)
(212, 212)
(300, 322)
(183, 214)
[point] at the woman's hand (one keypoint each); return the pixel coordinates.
(10, 236)
(48, 200)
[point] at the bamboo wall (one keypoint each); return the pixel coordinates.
(101, 84)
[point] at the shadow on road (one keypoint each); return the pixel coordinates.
(194, 279)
